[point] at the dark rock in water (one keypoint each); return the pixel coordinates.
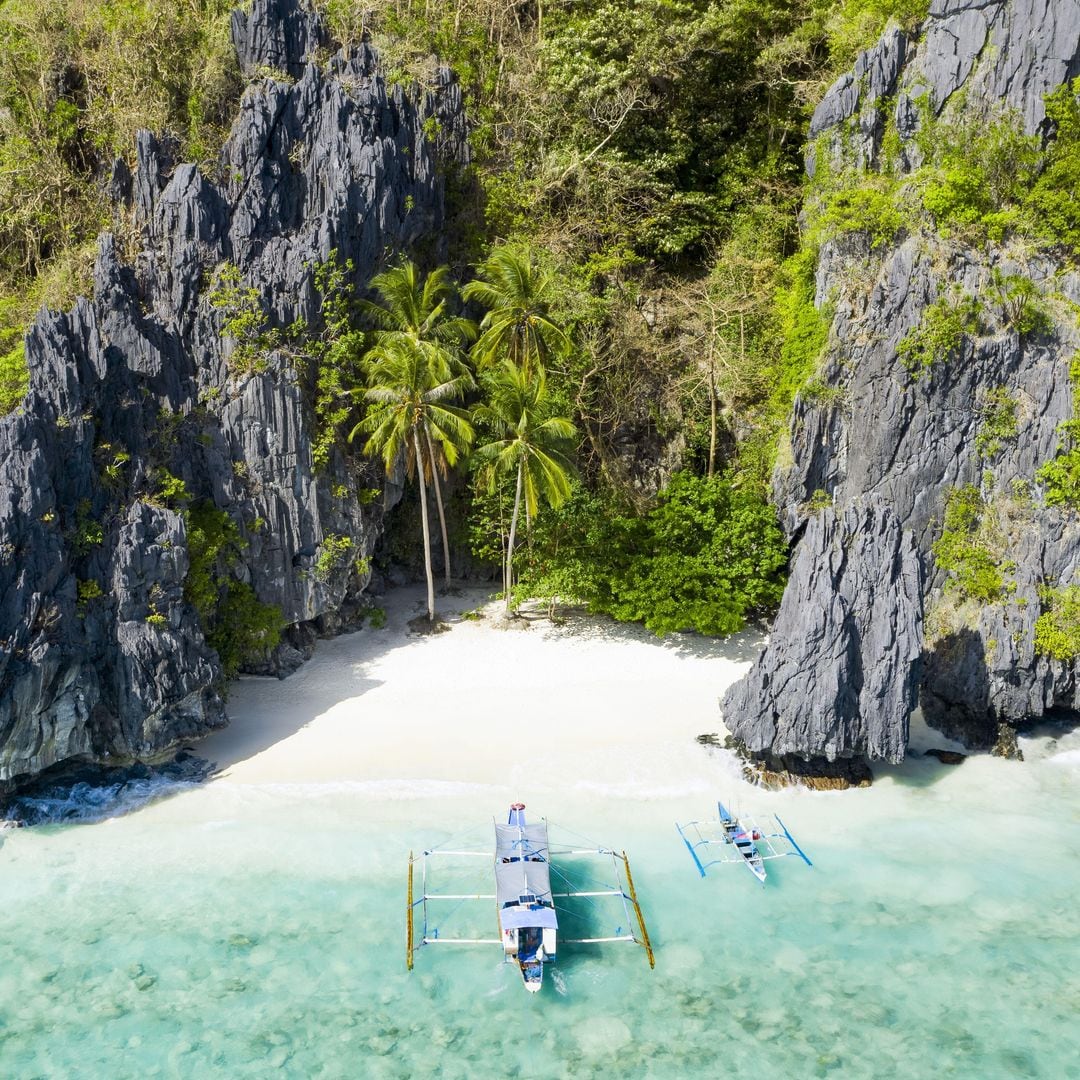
(839, 674)
(818, 774)
(1007, 745)
(946, 757)
(88, 793)
(102, 657)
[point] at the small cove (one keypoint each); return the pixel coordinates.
(254, 924)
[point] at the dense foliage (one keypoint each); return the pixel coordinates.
(1057, 629)
(644, 159)
(237, 624)
(77, 79)
(706, 557)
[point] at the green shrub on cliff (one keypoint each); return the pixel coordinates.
(968, 550)
(945, 325)
(1052, 199)
(234, 621)
(1057, 629)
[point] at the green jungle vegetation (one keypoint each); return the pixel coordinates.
(634, 202)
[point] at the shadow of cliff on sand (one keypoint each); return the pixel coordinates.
(264, 711)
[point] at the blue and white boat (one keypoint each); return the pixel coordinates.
(525, 905)
(738, 839)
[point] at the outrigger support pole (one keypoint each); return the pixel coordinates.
(637, 911)
(409, 920)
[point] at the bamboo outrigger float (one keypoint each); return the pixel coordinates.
(525, 903)
(740, 839)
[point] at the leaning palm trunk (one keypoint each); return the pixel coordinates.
(509, 576)
(424, 523)
(439, 504)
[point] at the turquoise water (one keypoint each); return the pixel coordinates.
(237, 933)
(256, 929)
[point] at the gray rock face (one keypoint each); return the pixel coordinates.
(278, 34)
(874, 77)
(839, 676)
(880, 433)
(100, 655)
(1011, 51)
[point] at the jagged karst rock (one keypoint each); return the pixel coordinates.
(1004, 55)
(281, 35)
(878, 431)
(101, 656)
(839, 674)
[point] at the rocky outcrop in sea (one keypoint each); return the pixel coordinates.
(870, 429)
(138, 412)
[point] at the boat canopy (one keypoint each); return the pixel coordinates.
(521, 842)
(528, 917)
(523, 877)
(518, 879)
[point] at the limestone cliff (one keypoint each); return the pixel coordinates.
(102, 655)
(872, 428)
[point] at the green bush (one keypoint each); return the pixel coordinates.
(1022, 305)
(244, 629)
(997, 422)
(86, 593)
(978, 173)
(941, 334)
(706, 557)
(1060, 478)
(866, 204)
(1051, 201)
(334, 552)
(974, 565)
(234, 621)
(14, 376)
(1057, 629)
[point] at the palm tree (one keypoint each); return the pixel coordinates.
(517, 327)
(411, 386)
(418, 307)
(529, 441)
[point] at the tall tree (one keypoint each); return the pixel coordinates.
(527, 440)
(418, 307)
(518, 326)
(411, 387)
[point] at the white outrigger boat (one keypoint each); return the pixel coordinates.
(528, 917)
(740, 840)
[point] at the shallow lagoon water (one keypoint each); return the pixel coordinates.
(256, 929)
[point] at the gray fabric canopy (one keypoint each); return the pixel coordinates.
(520, 917)
(521, 842)
(522, 869)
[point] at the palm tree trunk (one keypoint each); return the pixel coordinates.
(510, 543)
(424, 523)
(712, 415)
(438, 502)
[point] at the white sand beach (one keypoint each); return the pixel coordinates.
(533, 704)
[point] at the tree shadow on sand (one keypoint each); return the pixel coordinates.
(575, 623)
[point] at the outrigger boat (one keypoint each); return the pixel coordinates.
(741, 840)
(528, 917)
